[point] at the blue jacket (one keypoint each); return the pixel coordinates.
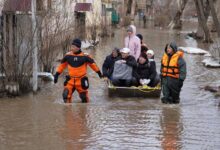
(108, 65)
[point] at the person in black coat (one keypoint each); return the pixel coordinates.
(146, 71)
(108, 65)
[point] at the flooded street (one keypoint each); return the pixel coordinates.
(44, 122)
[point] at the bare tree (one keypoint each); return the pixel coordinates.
(17, 49)
(17, 46)
(56, 33)
(215, 50)
(128, 6)
(200, 6)
(176, 21)
(163, 12)
(1, 36)
(215, 18)
(200, 32)
(94, 27)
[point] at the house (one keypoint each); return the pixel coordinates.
(58, 22)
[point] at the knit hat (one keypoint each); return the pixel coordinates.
(150, 52)
(125, 50)
(140, 36)
(77, 43)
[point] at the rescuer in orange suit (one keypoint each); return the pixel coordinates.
(76, 61)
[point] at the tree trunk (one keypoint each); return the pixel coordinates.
(34, 46)
(215, 18)
(133, 10)
(200, 31)
(1, 45)
(202, 19)
(129, 4)
(176, 22)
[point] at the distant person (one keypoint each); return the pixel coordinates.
(173, 74)
(144, 46)
(124, 68)
(133, 42)
(108, 65)
(144, 20)
(76, 61)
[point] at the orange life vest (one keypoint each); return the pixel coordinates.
(170, 66)
(77, 64)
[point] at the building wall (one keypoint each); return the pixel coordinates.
(17, 41)
(1, 43)
(1, 35)
(55, 20)
(54, 23)
(23, 40)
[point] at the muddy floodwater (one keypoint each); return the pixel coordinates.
(44, 122)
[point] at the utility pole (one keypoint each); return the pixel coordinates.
(34, 45)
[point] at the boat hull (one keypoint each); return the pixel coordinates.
(114, 91)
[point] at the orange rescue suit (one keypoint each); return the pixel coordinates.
(77, 70)
(170, 65)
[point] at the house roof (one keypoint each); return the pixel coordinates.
(17, 5)
(83, 7)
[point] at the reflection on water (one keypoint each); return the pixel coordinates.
(75, 130)
(42, 121)
(171, 127)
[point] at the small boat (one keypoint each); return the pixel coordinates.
(133, 91)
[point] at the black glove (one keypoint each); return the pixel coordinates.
(100, 74)
(67, 80)
(56, 77)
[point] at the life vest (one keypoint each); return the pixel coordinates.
(170, 66)
(77, 64)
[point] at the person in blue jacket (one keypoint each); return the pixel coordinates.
(108, 65)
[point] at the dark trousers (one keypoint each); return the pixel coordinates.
(171, 88)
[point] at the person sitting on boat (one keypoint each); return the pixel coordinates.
(108, 65)
(146, 70)
(144, 47)
(154, 76)
(123, 73)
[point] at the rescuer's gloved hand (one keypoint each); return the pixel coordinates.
(56, 77)
(100, 75)
(144, 81)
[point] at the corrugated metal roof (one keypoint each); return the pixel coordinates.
(83, 7)
(17, 5)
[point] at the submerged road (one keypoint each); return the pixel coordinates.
(43, 122)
